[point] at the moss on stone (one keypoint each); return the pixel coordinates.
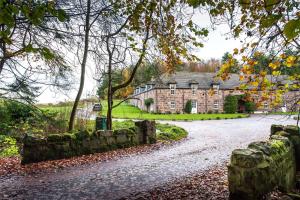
(275, 128)
(80, 135)
(292, 129)
(246, 157)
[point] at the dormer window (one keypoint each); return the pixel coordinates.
(216, 88)
(172, 88)
(149, 87)
(194, 89)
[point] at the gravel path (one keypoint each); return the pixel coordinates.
(209, 143)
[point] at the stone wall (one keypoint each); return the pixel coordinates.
(162, 99)
(264, 166)
(58, 146)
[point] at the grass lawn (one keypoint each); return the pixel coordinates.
(126, 111)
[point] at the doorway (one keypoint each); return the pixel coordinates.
(194, 106)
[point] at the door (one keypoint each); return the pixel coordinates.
(194, 106)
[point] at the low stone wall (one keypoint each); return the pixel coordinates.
(263, 166)
(58, 146)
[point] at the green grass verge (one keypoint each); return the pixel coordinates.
(126, 111)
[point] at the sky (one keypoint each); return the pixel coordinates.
(215, 45)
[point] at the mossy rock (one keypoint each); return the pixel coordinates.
(123, 131)
(263, 146)
(82, 135)
(54, 138)
(33, 140)
(275, 128)
(247, 158)
(292, 129)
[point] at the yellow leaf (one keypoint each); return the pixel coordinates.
(290, 61)
(235, 51)
(276, 73)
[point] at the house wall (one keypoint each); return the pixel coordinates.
(139, 100)
(204, 97)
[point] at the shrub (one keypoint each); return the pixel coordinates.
(209, 112)
(250, 107)
(170, 132)
(148, 102)
(8, 146)
(188, 107)
(230, 104)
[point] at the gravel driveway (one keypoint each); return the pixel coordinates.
(209, 143)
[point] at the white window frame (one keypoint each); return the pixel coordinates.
(172, 89)
(172, 105)
(216, 105)
(216, 89)
(194, 89)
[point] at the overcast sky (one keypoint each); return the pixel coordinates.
(215, 46)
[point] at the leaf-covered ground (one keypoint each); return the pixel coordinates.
(12, 165)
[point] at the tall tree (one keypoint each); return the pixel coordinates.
(133, 29)
(87, 27)
(26, 52)
(268, 26)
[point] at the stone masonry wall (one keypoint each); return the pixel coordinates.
(263, 166)
(59, 146)
(205, 101)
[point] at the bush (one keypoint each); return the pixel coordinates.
(148, 102)
(230, 104)
(170, 132)
(8, 146)
(188, 107)
(209, 112)
(250, 107)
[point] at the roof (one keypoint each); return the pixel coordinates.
(204, 80)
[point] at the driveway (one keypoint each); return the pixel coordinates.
(209, 143)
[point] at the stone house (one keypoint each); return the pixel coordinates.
(170, 93)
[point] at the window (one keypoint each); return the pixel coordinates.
(172, 88)
(216, 104)
(216, 89)
(194, 89)
(149, 87)
(172, 105)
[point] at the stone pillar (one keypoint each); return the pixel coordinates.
(263, 166)
(146, 131)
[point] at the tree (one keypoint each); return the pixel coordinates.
(148, 103)
(188, 107)
(26, 52)
(269, 26)
(230, 104)
(87, 27)
(131, 30)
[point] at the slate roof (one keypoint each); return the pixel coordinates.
(204, 80)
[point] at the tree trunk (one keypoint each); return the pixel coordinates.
(83, 66)
(109, 98)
